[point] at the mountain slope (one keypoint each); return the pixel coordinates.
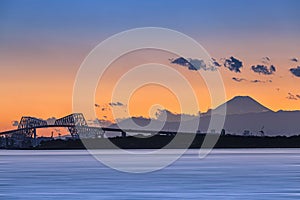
(241, 105)
(243, 113)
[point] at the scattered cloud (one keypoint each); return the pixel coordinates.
(293, 96)
(181, 61)
(215, 62)
(233, 64)
(256, 81)
(262, 69)
(238, 79)
(51, 120)
(260, 81)
(251, 81)
(15, 123)
(295, 71)
(266, 60)
(196, 64)
(112, 104)
(294, 59)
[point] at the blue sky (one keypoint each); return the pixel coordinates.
(94, 18)
(43, 43)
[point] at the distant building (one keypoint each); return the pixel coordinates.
(223, 132)
(246, 133)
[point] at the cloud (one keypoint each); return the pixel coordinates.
(294, 59)
(251, 81)
(51, 120)
(295, 71)
(15, 123)
(256, 81)
(260, 81)
(292, 96)
(196, 64)
(112, 104)
(233, 64)
(180, 61)
(238, 79)
(262, 69)
(215, 62)
(266, 60)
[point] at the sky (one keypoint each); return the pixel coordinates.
(43, 43)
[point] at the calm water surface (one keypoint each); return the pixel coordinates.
(224, 174)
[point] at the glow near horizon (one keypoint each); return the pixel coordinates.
(44, 43)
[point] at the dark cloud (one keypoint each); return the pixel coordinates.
(112, 104)
(215, 62)
(233, 64)
(256, 81)
(262, 69)
(251, 81)
(292, 96)
(181, 61)
(266, 60)
(15, 123)
(260, 81)
(196, 64)
(238, 79)
(294, 59)
(295, 71)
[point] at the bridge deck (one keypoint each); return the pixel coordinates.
(98, 128)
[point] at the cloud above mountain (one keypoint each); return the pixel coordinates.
(263, 69)
(295, 71)
(293, 96)
(195, 64)
(238, 79)
(251, 81)
(266, 60)
(294, 59)
(113, 104)
(215, 62)
(233, 64)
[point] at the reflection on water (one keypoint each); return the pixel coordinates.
(224, 174)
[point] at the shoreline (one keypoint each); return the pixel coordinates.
(159, 142)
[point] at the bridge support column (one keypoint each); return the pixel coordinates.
(34, 138)
(123, 134)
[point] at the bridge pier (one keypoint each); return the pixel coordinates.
(123, 134)
(34, 138)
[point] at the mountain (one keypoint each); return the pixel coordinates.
(243, 113)
(240, 105)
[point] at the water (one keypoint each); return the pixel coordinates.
(224, 174)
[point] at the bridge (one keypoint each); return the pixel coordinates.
(75, 123)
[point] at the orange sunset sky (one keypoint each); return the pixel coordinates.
(43, 45)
